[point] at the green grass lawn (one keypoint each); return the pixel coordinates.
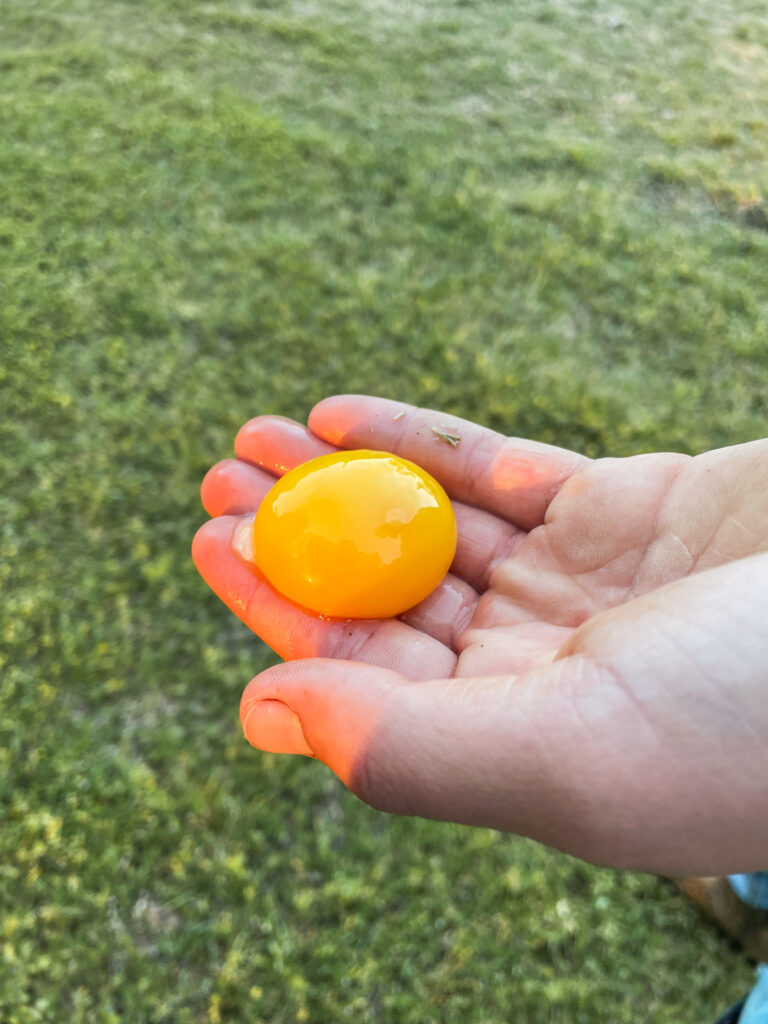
(549, 217)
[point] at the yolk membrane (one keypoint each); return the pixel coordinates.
(355, 534)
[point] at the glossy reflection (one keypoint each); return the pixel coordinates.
(360, 534)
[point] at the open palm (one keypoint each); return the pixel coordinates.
(517, 656)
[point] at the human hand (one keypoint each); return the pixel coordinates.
(592, 673)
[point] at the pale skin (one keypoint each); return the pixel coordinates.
(592, 673)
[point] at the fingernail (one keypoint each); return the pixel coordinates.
(242, 540)
(271, 725)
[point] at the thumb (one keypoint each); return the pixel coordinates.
(474, 751)
(642, 745)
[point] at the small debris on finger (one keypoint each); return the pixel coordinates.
(445, 435)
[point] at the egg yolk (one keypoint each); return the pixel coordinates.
(355, 534)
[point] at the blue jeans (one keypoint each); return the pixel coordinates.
(753, 889)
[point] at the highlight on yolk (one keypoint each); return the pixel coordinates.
(355, 534)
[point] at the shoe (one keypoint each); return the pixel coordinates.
(732, 1016)
(744, 924)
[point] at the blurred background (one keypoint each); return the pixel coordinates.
(549, 217)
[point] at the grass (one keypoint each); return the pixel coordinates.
(549, 218)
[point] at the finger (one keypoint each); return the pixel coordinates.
(446, 612)
(231, 488)
(294, 632)
(277, 444)
(479, 752)
(510, 477)
(484, 541)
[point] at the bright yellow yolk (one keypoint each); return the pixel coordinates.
(358, 535)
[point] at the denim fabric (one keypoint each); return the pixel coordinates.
(756, 1007)
(753, 889)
